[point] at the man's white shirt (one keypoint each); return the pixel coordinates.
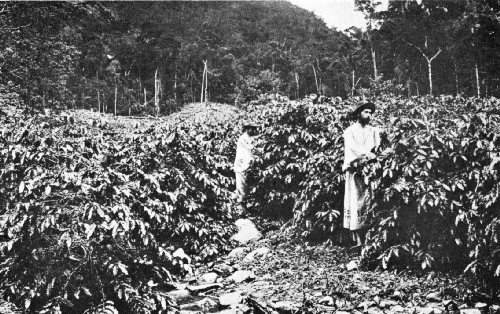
(244, 155)
(359, 141)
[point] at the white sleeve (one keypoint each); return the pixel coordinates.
(377, 136)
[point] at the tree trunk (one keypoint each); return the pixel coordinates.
(322, 88)
(139, 96)
(116, 95)
(206, 82)
(145, 101)
(175, 85)
(297, 84)
(157, 99)
(457, 91)
(374, 59)
(429, 63)
(202, 85)
(160, 90)
(192, 91)
(98, 96)
(478, 85)
(315, 79)
(372, 50)
(352, 89)
(429, 66)
(203, 82)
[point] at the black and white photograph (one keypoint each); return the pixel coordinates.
(250, 157)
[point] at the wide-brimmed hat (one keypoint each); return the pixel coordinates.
(368, 105)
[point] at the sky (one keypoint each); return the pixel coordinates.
(335, 13)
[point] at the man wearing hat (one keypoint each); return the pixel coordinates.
(245, 149)
(360, 139)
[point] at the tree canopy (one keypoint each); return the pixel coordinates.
(95, 55)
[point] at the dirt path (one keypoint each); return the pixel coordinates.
(282, 276)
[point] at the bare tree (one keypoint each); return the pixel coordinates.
(429, 59)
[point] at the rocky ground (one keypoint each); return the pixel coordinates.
(272, 274)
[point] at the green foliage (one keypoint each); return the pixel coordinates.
(383, 88)
(76, 55)
(39, 50)
(301, 165)
(89, 219)
(436, 186)
(91, 55)
(93, 220)
(436, 195)
(254, 86)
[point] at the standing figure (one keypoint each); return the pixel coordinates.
(360, 140)
(245, 150)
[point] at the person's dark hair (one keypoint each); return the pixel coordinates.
(357, 112)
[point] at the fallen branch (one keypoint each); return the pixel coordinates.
(326, 308)
(203, 288)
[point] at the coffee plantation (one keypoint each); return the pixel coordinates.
(99, 218)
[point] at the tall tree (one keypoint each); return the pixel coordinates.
(424, 27)
(368, 8)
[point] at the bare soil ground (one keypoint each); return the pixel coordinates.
(295, 277)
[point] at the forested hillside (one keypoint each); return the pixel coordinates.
(95, 50)
(107, 55)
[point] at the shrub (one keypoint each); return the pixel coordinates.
(94, 220)
(436, 191)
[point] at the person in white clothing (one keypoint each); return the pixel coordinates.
(360, 142)
(245, 155)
